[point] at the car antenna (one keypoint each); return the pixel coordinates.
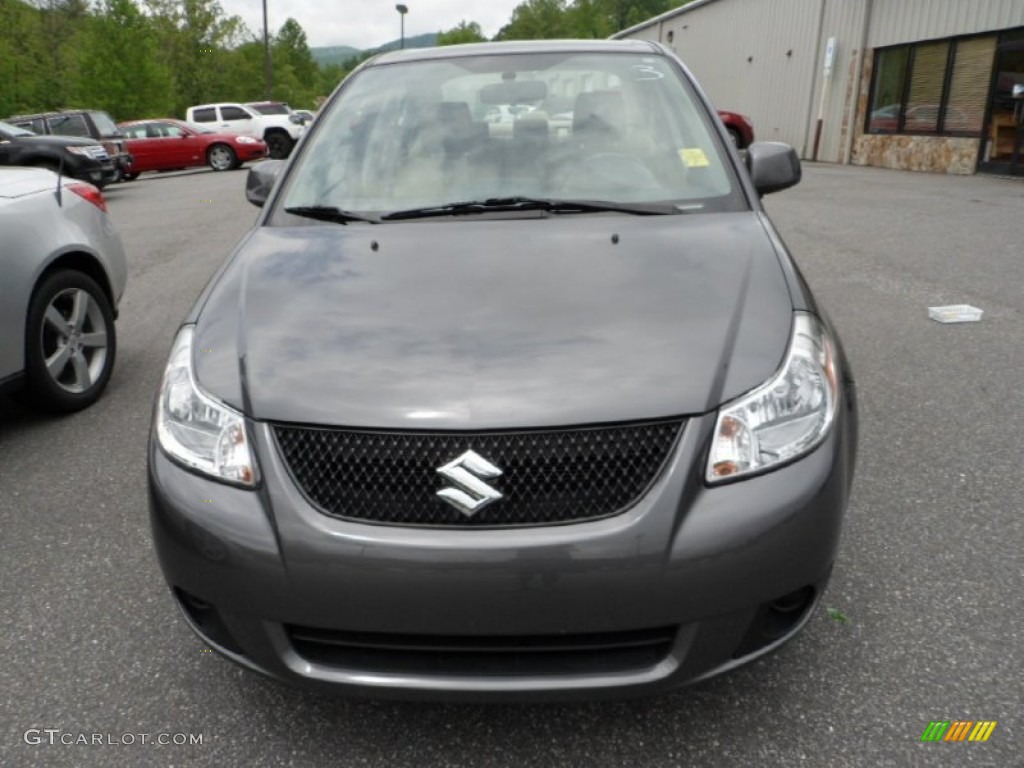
(60, 178)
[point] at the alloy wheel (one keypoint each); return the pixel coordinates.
(73, 340)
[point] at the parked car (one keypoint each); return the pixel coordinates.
(164, 145)
(280, 132)
(82, 159)
(62, 273)
(740, 128)
(478, 416)
(919, 118)
(85, 123)
(279, 108)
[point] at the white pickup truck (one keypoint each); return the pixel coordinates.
(279, 131)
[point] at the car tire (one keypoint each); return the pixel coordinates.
(70, 343)
(737, 139)
(279, 144)
(221, 157)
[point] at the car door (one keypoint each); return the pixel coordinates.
(237, 120)
(141, 147)
(190, 147)
(175, 149)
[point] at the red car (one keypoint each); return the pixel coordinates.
(165, 145)
(740, 128)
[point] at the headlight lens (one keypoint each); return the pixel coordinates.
(785, 417)
(245, 139)
(86, 151)
(197, 430)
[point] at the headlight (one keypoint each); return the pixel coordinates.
(195, 429)
(86, 151)
(785, 417)
(245, 139)
(293, 118)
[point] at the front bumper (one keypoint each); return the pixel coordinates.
(247, 152)
(259, 573)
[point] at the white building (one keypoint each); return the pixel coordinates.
(913, 84)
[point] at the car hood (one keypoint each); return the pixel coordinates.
(58, 141)
(483, 323)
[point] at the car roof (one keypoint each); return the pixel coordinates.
(54, 113)
(154, 120)
(514, 47)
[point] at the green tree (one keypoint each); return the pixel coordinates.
(296, 75)
(463, 32)
(196, 41)
(119, 69)
(24, 74)
(537, 19)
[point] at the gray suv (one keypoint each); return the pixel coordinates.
(496, 411)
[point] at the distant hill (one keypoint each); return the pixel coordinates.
(339, 54)
(333, 54)
(428, 40)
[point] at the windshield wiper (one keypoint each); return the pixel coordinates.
(531, 204)
(328, 213)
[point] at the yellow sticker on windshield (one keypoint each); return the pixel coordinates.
(694, 158)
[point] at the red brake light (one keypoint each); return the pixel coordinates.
(90, 193)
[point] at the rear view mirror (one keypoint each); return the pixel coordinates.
(261, 180)
(773, 166)
(514, 92)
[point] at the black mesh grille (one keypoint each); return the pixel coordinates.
(548, 476)
(495, 656)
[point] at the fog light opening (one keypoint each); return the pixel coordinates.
(794, 601)
(776, 619)
(207, 621)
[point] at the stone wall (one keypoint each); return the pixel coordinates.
(935, 154)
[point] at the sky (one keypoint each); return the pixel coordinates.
(369, 23)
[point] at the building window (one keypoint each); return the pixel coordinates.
(968, 89)
(890, 79)
(932, 88)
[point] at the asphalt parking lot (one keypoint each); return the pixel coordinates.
(929, 575)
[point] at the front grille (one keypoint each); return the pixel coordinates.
(489, 655)
(547, 476)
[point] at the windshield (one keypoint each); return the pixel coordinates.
(271, 109)
(104, 124)
(620, 128)
(13, 130)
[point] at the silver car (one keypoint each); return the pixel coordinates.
(62, 273)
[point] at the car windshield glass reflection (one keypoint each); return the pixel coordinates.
(8, 130)
(614, 128)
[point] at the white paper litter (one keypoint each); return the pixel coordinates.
(955, 313)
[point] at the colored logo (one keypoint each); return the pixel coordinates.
(958, 730)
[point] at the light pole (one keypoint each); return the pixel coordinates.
(266, 52)
(402, 10)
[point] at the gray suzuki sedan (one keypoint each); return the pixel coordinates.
(506, 409)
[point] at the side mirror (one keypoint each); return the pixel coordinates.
(261, 180)
(773, 166)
